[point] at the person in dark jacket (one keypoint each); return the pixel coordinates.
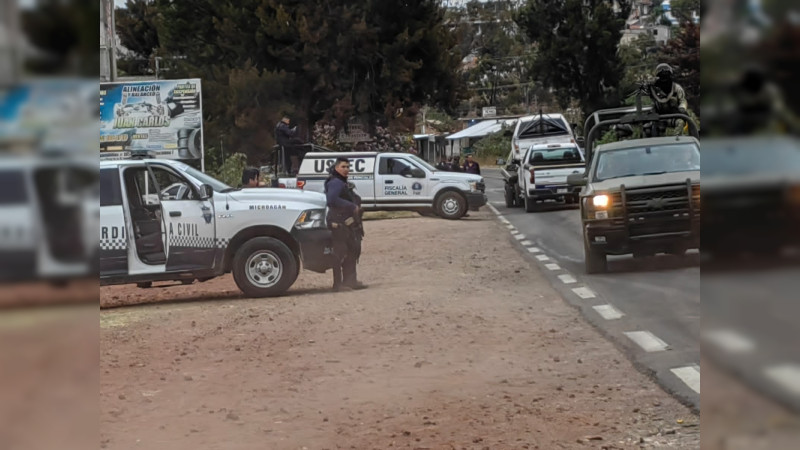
(456, 165)
(287, 138)
(443, 165)
(471, 166)
(344, 221)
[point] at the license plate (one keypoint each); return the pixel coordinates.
(562, 190)
(601, 215)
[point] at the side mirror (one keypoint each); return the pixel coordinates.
(576, 179)
(206, 192)
(417, 173)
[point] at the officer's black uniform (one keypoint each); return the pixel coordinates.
(346, 228)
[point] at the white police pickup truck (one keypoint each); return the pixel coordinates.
(397, 181)
(150, 231)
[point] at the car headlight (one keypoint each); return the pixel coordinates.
(473, 186)
(310, 219)
(600, 201)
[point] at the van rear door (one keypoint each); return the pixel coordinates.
(315, 170)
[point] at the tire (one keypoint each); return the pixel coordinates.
(530, 205)
(144, 284)
(511, 200)
(264, 267)
(451, 205)
(595, 261)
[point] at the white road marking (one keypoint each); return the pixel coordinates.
(534, 250)
(519, 237)
(730, 341)
(511, 227)
(553, 266)
(543, 257)
(689, 375)
(608, 312)
(526, 243)
(494, 210)
(786, 375)
(647, 340)
(583, 292)
(567, 278)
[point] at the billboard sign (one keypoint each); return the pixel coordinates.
(163, 118)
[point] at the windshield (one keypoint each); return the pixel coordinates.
(554, 156)
(216, 185)
(653, 160)
(423, 163)
(768, 157)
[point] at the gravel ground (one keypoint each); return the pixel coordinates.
(457, 343)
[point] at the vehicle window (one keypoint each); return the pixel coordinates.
(422, 163)
(13, 190)
(647, 161)
(395, 166)
(173, 187)
(773, 157)
(544, 127)
(547, 157)
(110, 192)
(141, 187)
(216, 185)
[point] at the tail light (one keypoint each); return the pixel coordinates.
(533, 177)
(301, 184)
(281, 185)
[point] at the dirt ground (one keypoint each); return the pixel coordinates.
(458, 343)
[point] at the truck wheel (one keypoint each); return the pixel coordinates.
(451, 205)
(530, 205)
(264, 267)
(595, 260)
(510, 200)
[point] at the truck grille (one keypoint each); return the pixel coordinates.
(658, 209)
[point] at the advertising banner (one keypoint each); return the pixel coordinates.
(161, 118)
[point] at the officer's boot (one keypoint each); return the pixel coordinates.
(350, 278)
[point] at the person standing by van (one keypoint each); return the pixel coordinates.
(287, 138)
(344, 221)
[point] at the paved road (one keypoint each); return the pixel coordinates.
(649, 307)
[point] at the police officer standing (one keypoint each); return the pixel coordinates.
(344, 221)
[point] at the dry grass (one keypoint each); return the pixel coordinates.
(380, 215)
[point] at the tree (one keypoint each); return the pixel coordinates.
(136, 27)
(328, 60)
(576, 43)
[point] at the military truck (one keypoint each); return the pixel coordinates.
(639, 196)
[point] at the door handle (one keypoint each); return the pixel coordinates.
(174, 213)
(389, 181)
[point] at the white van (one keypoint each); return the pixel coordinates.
(398, 181)
(539, 129)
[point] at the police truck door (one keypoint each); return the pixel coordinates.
(190, 222)
(396, 183)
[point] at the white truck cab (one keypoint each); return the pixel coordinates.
(539, 129)
(398, 181)
(165, 220)
(541, 174)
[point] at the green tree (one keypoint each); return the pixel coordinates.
(329, 60)
(67, 32)
(576, 42)
(137, 27)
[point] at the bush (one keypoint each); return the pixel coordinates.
(230, 171)
(496, 145)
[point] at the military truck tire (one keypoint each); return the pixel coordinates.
(530, 205)
(595, 261)
(451, 205)
(264, 267)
